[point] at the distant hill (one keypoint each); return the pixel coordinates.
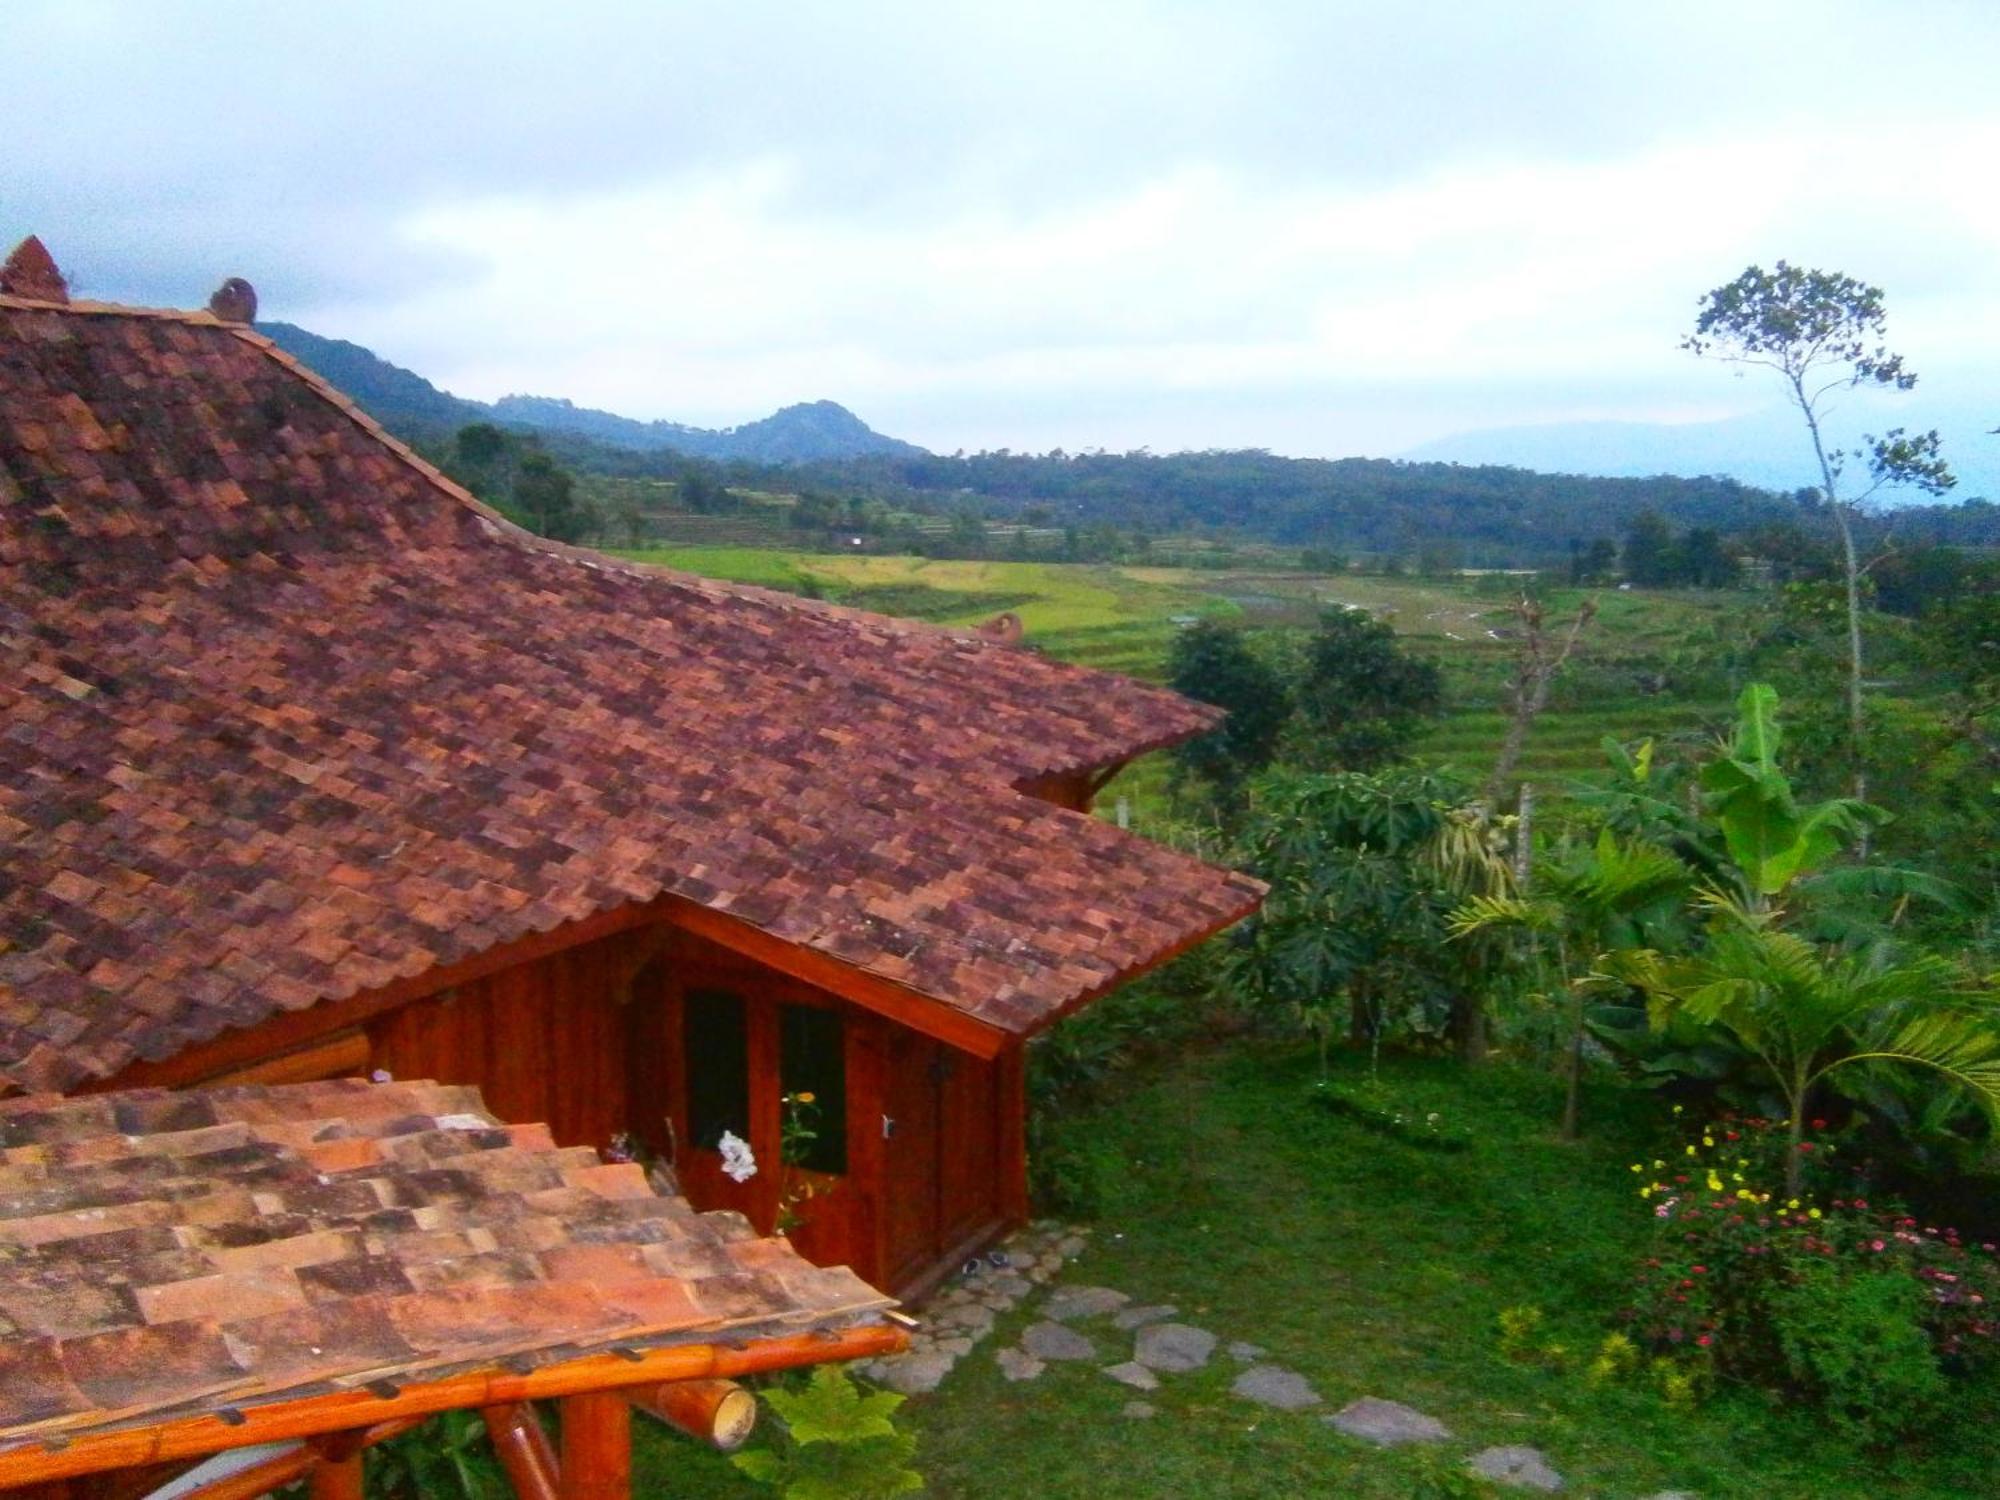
(407, 403)
(796, 434)
(1764, 448)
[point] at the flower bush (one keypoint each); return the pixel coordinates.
(1826, 1295)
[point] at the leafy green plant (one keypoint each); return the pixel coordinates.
(838, 1442)
(1825, 1296)
(447, 1458)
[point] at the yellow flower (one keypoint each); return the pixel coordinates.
(1735, 1176)
(1714, 1183)
(1812, 1214)
(1659, 1166)
(805, 1097)
(1636, 1167)
(1690, 1151)
(1677, 1109)
(1708, 1140)
(1746, 1195)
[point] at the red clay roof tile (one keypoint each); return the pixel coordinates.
(239, 1278)
(317, 719)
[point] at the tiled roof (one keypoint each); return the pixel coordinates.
(285, 716)
(163, 1254)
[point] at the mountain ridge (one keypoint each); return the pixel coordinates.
(405, 401)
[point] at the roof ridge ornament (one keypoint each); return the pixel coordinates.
(235, 301)
(31, 272)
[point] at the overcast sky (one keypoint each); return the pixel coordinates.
(1322, 228)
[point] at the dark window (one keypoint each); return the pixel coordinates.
(814, 1063)
(718, 1066)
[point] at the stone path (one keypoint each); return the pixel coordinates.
(1077, 1324)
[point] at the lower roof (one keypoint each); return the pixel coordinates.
(166, 1255)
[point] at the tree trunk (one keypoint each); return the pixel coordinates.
(1572, 1126)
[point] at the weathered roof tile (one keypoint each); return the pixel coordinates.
(172, 1275)
(318, 719)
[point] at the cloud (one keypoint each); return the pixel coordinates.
(1027, 224)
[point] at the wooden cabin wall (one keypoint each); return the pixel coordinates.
(545, 1040)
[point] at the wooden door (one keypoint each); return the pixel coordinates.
(911, 1156)
(968, 1147)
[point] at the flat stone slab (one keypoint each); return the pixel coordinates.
(1138, 1410)
(1068, 1303)
(1137, 1317)
(1522, 1467)
(1248, 1353)
(1053, 1341)
(1272, 1385)
(1018, 1364)
(1387, 1424)
(917, 1374)
(1134, 1374)
(1173, 1348)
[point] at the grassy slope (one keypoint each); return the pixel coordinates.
(1374, 1269)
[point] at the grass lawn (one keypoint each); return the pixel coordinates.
(1374, 1269)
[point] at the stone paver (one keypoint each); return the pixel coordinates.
(1248, 1353)
(1134, 1374)
(1387, 1423)
(1521, 1467)
(1066, 1304)
(1273, 1385)
(1139, 1409)
(1174, 1348)
(917, 1374)
(1138, 1317)
(1018, 1364)
(1054, 1341)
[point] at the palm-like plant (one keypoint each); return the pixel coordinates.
(1807, 1011)
(1587, 901)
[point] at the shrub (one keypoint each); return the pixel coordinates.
(1856, 1306)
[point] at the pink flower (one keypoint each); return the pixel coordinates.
(1705, 1340)
(1875, 1244)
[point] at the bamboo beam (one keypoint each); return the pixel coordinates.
(719, 1413)
(596, 1447)
(31, 1461)
(523, 1449)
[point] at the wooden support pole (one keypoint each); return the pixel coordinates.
(717, 1412)
(336, 1479)
(596, 1447)
(523, 1449)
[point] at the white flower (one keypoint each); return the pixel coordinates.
(739, 1163)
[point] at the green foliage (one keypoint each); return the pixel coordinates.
(839, 1442)
(447, 1458)
(1357, 902)
(1362, 695)
(1771, 839)
(1216, 663)
(1820, 1295)
(1853, 1338)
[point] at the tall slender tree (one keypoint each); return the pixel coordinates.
(1821, 332)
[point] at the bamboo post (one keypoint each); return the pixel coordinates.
(717, 1412)
(523, 1449)
(596, 1447)
(336, 1479)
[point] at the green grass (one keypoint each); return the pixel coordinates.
(1374, 1269)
